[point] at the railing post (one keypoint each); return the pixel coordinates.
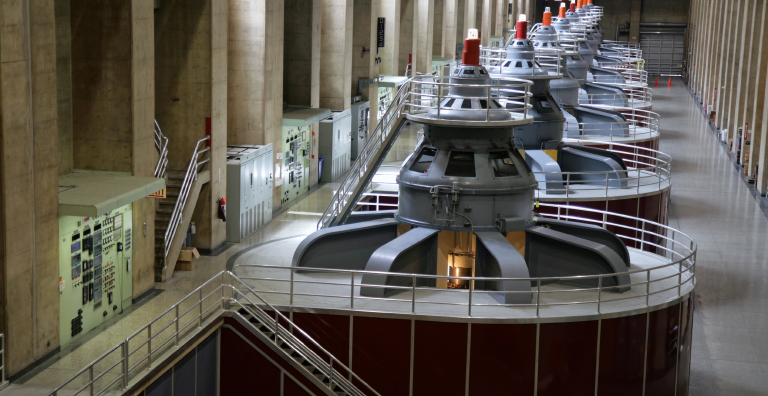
(277, 327)
(90, 378)
(124, 368)
(599, 292)
(177, 325)
(200, 305)
(149, 346)
(330, 382)
(352, 290)
(290, 297)
(647, 286)
(538, 296)
(413, 298)
(471, 285)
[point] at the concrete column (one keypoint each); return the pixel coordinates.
(64, 83)
(450, 27)
(437, 28)
(407, 24)
(470, 18)
(364, 67)
(191, 92)
(759, 123)
(742, 67)
(336, 54)
(485, 25)
(734, 67)
(143, 151)
(762, 173)
(635, 10)
(714, 53)
(744, 112)
(722, 60)
(461, 26)
(424, 13)
(499, 17)
(390, 53)
(29, 315)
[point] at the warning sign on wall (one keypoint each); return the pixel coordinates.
(160, 194)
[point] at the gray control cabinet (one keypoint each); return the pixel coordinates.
(249, 190)
(334, 144)
(360, 114)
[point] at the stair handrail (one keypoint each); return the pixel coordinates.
(281, 330)
(366, 156)
(178, 209)
(161, 143)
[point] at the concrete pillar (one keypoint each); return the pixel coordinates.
(485, 25)
(390, 53)
(450, 27)
(437, 28)
(470, 18)
(635, 10)
(499, 17)
(744, 112)
(64, 83)
(364, 67)
(407, 23)
(424, 13)
(759, 123)
(143, 151)
(191, 92)
(762, 173)
(742, 67)
(28, 182)
(734, 68)
(461, 26)
(722, 61)
(336, 54)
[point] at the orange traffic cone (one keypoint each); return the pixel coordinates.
(657, 81)
(670, 82)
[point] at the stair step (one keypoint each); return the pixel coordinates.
(169, 211)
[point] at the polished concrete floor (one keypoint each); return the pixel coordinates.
(710, 202)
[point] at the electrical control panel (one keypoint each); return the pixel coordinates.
(94, 270)
(249, 189)
(335, 144)
(386, 94)
(360, 112)
(292, 167)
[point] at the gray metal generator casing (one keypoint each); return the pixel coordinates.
(334, 144)
(249, 190)
(360, 112)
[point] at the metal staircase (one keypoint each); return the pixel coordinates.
(368, 161)
(172, 213)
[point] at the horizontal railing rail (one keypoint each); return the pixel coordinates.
(161, 144)
(665, 281)
(631, 74)
(549, 59)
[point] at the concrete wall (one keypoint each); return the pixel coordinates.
(101, 85)
(28, 181)
(190, 87)
(301, 67)
(64, 83)
(406, 33)
(336, 58)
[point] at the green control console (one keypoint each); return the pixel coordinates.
(95, 281)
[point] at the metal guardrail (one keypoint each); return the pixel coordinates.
(178, 209)
(633, 96)
(425, 92)
(646, 168)
(224, 293)
(161, 143)
(548, 59)
(641, 124)
(674, 245)
(632, 75)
